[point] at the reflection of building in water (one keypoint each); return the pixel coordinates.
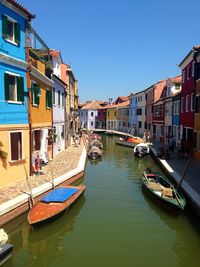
(40, 246)
(184, 239)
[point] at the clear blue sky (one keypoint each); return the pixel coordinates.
(116, 47)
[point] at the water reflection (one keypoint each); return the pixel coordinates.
(33, 244)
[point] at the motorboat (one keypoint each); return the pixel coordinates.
(141, 150)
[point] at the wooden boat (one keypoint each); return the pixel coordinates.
(95, 153)
(96, 143)
(129, 141)
(163, 191)
(141, 150)
(5, 252)
(54, 203)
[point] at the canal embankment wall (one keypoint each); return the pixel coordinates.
(21, 203)
(190, 185)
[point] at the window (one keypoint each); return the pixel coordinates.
(182, 103)
(177, 86)
(48, 99)
(63, 100)
(193, 66)
(14, 87)
(91, 123)
(92, 114)
(59, 98)
(192, 102)
(16, 145)
(115, 113)
(186, 103)
(54, 96)
(36, 140)
(99, 113)
(178, 107)
(63, 132)
(35, 93)
(139, 124)
(175, 108)
(10, 30)
(183, 76)
(188, 72)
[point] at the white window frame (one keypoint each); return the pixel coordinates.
(183, 76)
(193, 64)
(187, 103)
(10, 132)
(16, 75)
(182, 104)
(191, 102)
(13, 37)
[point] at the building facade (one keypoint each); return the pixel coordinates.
(14, 124)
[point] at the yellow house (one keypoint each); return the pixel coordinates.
(112, 115)
(39, 84)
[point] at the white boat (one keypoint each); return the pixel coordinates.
(141, 150)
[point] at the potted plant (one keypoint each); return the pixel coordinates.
(3, 154)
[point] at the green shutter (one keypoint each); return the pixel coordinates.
(4, 26)
(17, 33)
(6, 86)
(20, 89)
(47, 99)
(37, 98)
(50, 99)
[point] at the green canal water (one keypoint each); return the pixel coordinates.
(113, 224)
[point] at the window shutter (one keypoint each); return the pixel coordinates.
(4, 26)
(20, 89)
(6, 86)
(17, 33)
(47, 99)
(50, 99)
(37, 98)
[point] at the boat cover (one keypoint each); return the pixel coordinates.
(59, 195)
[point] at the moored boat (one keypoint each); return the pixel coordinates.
(129, 141)
(163, 191)
(141, 150)
(95, 153)
(5, 252)
(54, 203)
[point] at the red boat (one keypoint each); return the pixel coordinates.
(54, 203)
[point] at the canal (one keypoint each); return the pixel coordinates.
(113, 224)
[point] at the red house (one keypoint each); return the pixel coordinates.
(187, 98)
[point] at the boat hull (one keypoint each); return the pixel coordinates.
(5, 252)
(125, 143)
(168, 204)
(42, 212)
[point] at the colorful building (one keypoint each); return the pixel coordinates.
(173, 86)
(59, 103)
(132, 118)
(187, 100)
(88, 114)
(112, 122)
(40, 85)
(123, 117)
(14, 124)
(141, 112)
(197, 104)
(176, 117)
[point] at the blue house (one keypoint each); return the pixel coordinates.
(14, 127)
(176, 117)
(132, 119)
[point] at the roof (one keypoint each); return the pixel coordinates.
(92, 105)
(123, 98)
(177, 79)
(160, 85)
(22, 8)
(123, 104)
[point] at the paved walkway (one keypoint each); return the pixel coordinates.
(175, 167)
(64, 162)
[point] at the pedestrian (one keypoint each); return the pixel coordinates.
(173, 144)
(148, 137)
